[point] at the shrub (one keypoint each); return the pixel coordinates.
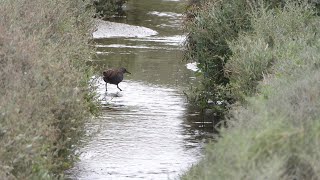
(43, 85)
(276, 134)
(274, 40)
(209, 31)
(211, 25)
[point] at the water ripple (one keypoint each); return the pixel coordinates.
(141, 135)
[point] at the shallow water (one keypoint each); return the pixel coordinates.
(146, 131)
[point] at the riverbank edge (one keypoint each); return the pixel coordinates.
(272, 71)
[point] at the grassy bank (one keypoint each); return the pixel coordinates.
(272, 67)
(44, 96)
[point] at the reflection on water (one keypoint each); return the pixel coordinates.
(146, 131)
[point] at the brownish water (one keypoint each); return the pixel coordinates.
(146, 131)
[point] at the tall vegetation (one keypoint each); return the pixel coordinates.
(211, 25)
(273, 69)
(44, 96)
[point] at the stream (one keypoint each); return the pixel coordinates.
(148, 130)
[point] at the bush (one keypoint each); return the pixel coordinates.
(275, 38)
(212, 25)
(276, 134)
(43, 85)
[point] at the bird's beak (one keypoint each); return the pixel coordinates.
(128, 72)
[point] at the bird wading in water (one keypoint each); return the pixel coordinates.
(114, 76)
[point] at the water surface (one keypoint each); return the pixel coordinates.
(146, 131)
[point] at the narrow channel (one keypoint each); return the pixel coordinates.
(145, 131)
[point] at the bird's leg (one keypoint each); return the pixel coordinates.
(106, 87)
(118, 87)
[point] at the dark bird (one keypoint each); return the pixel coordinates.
(114, 76)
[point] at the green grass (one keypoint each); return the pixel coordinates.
(44, 95)
(274, 71)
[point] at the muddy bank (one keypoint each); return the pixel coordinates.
(106, 29)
